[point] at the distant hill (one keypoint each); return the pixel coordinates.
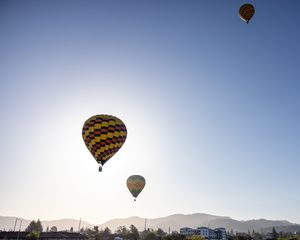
(177, 221)
(174, 222)
(8, 223)
(290, 228)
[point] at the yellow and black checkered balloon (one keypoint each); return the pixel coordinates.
(104, 135)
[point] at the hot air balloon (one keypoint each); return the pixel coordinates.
(246, 12)
(103, 135)
(135, 184)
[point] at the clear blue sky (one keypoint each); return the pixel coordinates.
(211, 104)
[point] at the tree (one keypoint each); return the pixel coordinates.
(33, 235)
(53, 229)
(243, 236)
(150, 236)
(274, 234)
(195, 237)
(100, 236)
(34, 226)
(107, 231)
(257, 236)
(90, 233)
(39, 226)
(97, 233)
(160, 232)
(122, 230)
(174, 236)
(134, 232)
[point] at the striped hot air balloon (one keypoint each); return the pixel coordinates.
(103, 135)
(136, 184)
(246, 12)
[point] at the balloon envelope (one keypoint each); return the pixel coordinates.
(104, 135)
(136, 184)
(246, 12)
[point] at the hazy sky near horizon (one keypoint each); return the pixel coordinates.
(211, 104)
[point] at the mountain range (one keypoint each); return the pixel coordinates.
(168, 223)
(8, 223)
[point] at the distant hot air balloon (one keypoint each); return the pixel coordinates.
(103, 135)
(246, 12)
(135, 184)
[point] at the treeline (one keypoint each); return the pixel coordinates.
(263, 236)
(132, 233)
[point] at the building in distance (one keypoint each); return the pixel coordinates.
(205, 232)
